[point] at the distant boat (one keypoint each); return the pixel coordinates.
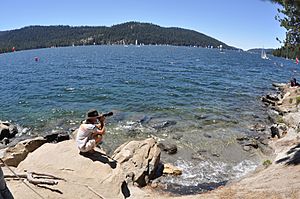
(124, 44)
(221, 49)
(263, 54)
(136, 43)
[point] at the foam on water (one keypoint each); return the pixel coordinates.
(204, 172)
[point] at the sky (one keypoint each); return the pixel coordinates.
(240, 23)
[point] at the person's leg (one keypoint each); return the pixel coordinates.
(90, 145)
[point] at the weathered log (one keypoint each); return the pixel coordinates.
(35, 178)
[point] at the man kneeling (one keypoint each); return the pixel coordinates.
(90, 131)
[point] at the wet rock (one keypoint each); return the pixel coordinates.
(242, 139)
(268, 101)
(140, 159)
(171, 170)
(201, 117)
(258, 127)
(264, 141)
(246, 148)
(274, 131)
(252, 142)
(14, 155)
(144, 120)
(197, 156)
(273, 97)
(168, 147)
(57, 137)
(215, 154)
(7, 130)
(177, 136)
(278, 130)
(164, 124)
(279, 85)
(207, 135)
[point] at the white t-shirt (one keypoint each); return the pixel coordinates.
(84, 135)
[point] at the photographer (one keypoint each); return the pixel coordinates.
(90, 131)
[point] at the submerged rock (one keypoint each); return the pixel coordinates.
(246, 148)
(164, 124)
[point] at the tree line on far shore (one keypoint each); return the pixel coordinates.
(124, 34)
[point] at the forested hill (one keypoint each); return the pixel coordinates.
(127, 33)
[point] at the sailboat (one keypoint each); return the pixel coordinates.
(263, 54)
(136, 43)
(221, 49)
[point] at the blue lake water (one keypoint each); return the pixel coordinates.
(206, 97)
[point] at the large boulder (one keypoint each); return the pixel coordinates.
(12, 156)
(168, 147)
(139, 160)
(91, 175)
(292, 119)
(7, 130)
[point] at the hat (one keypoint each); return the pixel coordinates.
(92, 114)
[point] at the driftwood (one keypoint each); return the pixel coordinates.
(35, 178)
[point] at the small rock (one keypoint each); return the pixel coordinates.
(246, 148)
(168, 147)
(197, 156)
(215, 154)
(154, 185)
(7, 130)
(201, 117)
(274, 131)
(207, 135)
(267, 101)
(171, 170)
(273, 97)
(242, 138)
(177, 136)
(163, 125)
(57, 137)
(264, 141)
(252, 142)
(258, 127)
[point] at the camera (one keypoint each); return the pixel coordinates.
(106, 114)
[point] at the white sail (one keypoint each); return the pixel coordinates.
(263, 54)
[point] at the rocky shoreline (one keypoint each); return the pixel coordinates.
(137, 163)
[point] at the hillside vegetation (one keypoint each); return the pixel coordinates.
(127, 33)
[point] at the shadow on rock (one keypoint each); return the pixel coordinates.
(125, 190)
(293, 159)
(101, 157)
